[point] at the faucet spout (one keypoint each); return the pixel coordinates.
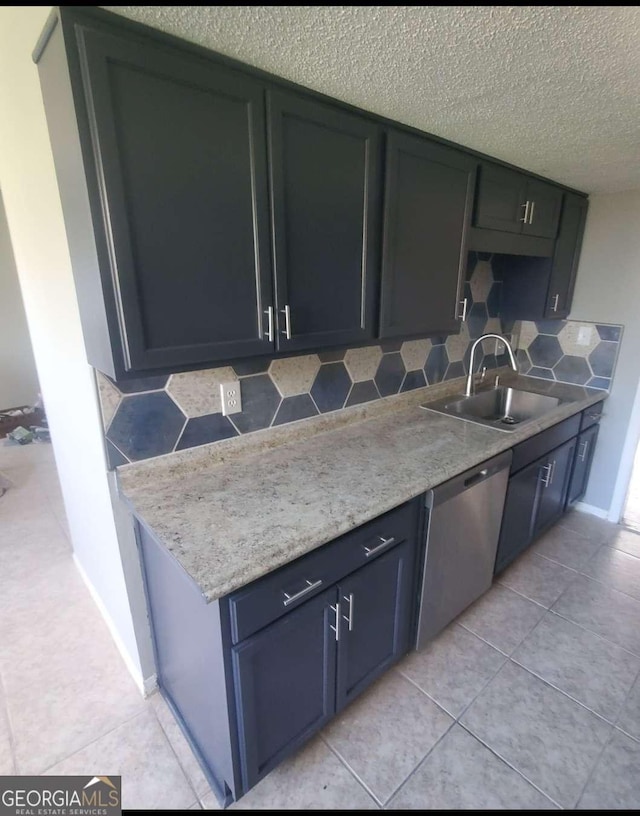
(468, 390)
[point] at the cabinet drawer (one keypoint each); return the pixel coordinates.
(268, 598)
(591, 415)
(540, 444)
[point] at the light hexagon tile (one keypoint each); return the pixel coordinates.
(362, 363)
(294, 375)
(198, 392)
(481, 281)
(109, 398)
(568, 337)
(414, 353)
(457, 344)
(527, 333)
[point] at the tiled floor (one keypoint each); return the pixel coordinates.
(530, 700)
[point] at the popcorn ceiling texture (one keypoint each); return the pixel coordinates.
(157, 415)
(552, 89)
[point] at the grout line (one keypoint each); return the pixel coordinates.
(595, 764)
(586, 629)
(346, 765)
(526, 597)
(177, 442)
(626, 733)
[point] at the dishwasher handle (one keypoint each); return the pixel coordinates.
(477, 477)
(469, 479)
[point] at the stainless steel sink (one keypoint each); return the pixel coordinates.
(503, 408)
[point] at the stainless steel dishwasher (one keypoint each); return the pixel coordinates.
(464, 518)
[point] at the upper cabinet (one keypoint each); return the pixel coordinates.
(325, 188)
(427, 209)
(566, 256)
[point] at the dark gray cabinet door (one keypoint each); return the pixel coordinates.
(285, 685)
(180, 152)
(554, 478)
(521, 505)
(500, 200)
(583, 460)
(325, 188)
(545, 202)
(427, 210)
(566, 255)
(375, 618)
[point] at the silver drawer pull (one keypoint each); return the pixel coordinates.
(585, 448)
(384, 542)
(311, 585)
(547, 470)
(336, 628)
(349, 618)
(525, 217)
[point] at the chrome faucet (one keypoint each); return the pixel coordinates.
(468, 390)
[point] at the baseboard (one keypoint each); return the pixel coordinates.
(592, 510)
(147, 685)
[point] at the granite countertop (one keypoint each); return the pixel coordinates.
(232, 512)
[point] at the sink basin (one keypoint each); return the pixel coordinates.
(503, 408)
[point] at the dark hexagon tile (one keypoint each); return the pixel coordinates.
(331, 387)
(493, 299)
(572, 370)
(609, 332)
(507, 325)
(390, 345)
(332, 356)
(390, 374)
(477, 320)
(489, 361)
(245, 368)
(485, 256)
(466, 359)
(413, 380)
(523, 361)
(455, 370)
(115, 458)
(292, 408)
(550, 326)
(204, 429)
(140, 385)
(146, 425)
(603, 359)
(599, 382)
(439, 339)
(545, 351)
(364, 391)
(436, 365)
(541, 373)
(260, 401)
(468, 294)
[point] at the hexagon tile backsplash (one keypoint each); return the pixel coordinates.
(160, 414)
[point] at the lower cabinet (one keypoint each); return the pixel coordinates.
(554, 480)
(585, 448)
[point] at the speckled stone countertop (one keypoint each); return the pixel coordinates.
(232, 512)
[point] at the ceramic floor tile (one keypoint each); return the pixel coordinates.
(552, 740)
(592, 670)
(502, 618)
(178, 742)
(600, 530)
(537, 578)
(603, 610)
(384, 734)
(616, 569)
(6, 754)
(615, 783)
(566, 547)
(628, 541)
(453, 668)
(312, 779)
(137, 751)
(629, 717)
(463, 774)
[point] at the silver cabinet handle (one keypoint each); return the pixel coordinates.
(585, 448)
(384, 542)
(349, 618)
(553, 472)
(463, 316)
(287, 321)
(269, 314)
(311, 585)
(546, 479)
(533, 206)
(336, 628)
(525, 218)
(556, 298)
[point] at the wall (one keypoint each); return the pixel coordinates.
(18, 378)
(36, 226)
(608, 289)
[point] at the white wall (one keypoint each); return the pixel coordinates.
(608, 291)
(18, 378)
(28, 182)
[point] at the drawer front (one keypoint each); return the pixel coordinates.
(590, 416)
(268, 598)
(540, 444)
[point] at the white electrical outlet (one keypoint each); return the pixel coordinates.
(500, 348)
(231, 397)
(584, 335)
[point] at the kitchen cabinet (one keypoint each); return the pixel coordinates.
(325, 167)
(427, 210)
(564, 265)
(554, 482)
(585, 449)
(519, 515)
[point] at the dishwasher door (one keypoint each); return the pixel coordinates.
(465, 515)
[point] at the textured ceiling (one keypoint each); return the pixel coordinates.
(554, 89)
